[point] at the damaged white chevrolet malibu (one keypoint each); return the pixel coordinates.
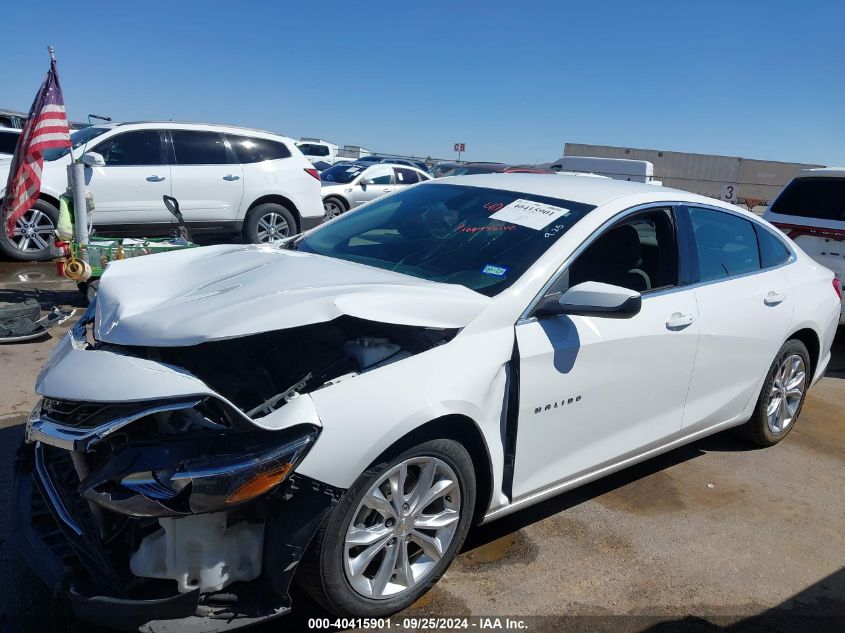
(342, 406)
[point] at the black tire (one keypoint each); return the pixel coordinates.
(757, 429)
(335, 201)
(11, 250)
(253, 231)
(321, 572)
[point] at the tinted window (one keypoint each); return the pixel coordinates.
(8, 142)
(639, 253)
(822, 198)
(199, 148)
(772, 249)
(449, 233)
(255, 150)
(314, 150)
(726, 244)
(140, 147)
(405, 176)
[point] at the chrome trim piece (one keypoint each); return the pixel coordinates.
(43, 429)
(527, 317)
(55, 499)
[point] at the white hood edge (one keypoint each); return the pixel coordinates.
(213, 293)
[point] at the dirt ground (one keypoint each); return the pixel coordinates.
(712, 536)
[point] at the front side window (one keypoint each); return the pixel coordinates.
(405, 176)
(78, 139)
(199, 148)
(484, 239)
(136, 148)
(639, 253)
(256, 150)
(8, 142)
(726, 244)
(379, 175)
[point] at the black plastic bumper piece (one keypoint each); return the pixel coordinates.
(309, 223)
(58, 555)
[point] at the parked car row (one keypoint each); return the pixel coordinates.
(348, 185)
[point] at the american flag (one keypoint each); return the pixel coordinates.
(45, 128)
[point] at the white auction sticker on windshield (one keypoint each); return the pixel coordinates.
(534, 215)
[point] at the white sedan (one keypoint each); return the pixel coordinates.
(347, 404)
(348, 185)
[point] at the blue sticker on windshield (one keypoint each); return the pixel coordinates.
(498, 271)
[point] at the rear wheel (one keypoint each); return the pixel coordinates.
(269, 222)
(782, 397)
(394, 532)
(33, 234)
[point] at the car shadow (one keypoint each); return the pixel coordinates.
(836, 368)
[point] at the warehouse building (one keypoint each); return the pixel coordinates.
(747, 181)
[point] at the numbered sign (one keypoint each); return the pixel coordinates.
(730, 191)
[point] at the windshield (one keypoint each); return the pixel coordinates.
(342, 173)
(78, 139)
(822, 198)
(480, 238)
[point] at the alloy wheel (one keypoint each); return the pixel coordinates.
(272, 227)
(332, 209)
(33, 231)
(786, 393)
(402, 528)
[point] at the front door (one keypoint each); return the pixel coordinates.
(128, 190)
(207, 178)
(375, 182)
(595, 389)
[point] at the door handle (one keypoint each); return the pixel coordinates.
(386, 190)
(774, 298)
(155, 178)
(679, 321)
(231, 177)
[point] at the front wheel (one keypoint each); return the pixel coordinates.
(393, 533)
(333, 207)
(782, 397)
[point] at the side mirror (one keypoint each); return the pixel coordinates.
(93, 159)
(593, 298)
(365, 182)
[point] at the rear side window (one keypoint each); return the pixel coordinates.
(199, 148)
(8, 142)
(140, 147)
(309, 149)
(772, 249)
(726, 244)
(254, 150)
(405, 176)
(822, 198)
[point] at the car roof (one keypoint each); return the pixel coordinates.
(831, 172)
(593, 191)
(189, 125)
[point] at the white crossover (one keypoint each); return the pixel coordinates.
(341, 407)
(811, 211)
(228, 180)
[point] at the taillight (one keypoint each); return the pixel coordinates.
(794, 231)
(313, 172)
(837, 286)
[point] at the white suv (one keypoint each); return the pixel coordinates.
(228, 180)
(811, 211)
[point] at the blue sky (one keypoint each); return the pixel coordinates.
(514, 80)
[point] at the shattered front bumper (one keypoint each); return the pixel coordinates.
(56, 531)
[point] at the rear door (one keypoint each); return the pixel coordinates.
(405, 177)
(745, 310)
(128, 189)
(207, 177)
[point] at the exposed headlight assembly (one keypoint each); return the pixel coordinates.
(185, 477)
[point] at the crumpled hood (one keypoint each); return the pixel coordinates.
(217, 292)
